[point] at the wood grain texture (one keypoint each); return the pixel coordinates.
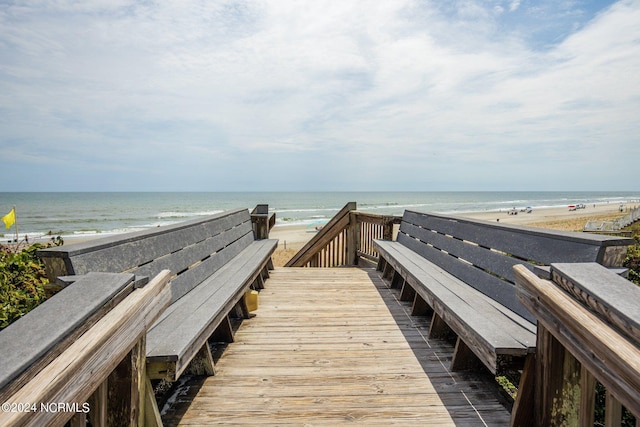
(608, 354)
(497, 335)
(74, 375)
(611, 296)
(186, 325)
(33, 341)
(335, 346)
(335, 226)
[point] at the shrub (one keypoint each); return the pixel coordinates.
(22, 280)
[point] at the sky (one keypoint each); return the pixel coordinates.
(282, 95)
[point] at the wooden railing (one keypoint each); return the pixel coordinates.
(613, 226)
(588, 332)
(262, 221)
(370, 227)
(81, 355)
(345, 239)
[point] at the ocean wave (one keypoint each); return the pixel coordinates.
(290, 210)
(187, 214)
(287, 222)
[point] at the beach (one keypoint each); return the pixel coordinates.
(80, 217)
(293, 237)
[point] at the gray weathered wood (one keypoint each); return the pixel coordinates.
(124, 252)
(494, 330)
(187, 323)
(610, 355)
(614, 298)
(60, 320)
(463, 269)
(490, 285)
(527, 243)
(213, 261)
(83, 366)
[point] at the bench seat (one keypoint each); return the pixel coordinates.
(460, 270)
(473, 316)
(180, 332)
(214, 260)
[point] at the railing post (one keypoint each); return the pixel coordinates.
(387, 227)
(353, 238)
(262, 221)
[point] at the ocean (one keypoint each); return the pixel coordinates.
(99, 214)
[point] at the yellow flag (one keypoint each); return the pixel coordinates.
(10, 218)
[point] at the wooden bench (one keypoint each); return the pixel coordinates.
(462, 270)
(81, 353)
(214, 261)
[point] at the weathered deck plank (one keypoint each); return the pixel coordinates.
(334, 346)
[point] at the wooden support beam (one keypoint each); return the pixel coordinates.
(439, 328)
(258, 283)
(78, 420)
(523, 412)
(124, 388)
(407, 293)
(202, 362)
(587, 398)
(420, 307)
(224, 332)
(352, 240)
(98, 404)
(397, 281)
(549, 364)
(463, 358)
(612, 411)
(388, 271)
(244, 309)
(151, 412)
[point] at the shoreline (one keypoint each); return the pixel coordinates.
(293, 237)
(298, 235)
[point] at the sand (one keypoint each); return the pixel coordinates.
(292, 238)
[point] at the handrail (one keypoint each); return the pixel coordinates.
(615, 225)
(347, 237)
(334, 229)
(588, 330)
(100, 374)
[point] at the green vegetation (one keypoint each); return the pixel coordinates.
(22, 280)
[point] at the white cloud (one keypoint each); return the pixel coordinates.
(239, 81)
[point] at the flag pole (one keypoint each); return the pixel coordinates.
(15, 223)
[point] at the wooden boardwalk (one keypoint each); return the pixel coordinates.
(332, 346)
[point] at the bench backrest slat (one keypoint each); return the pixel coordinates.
(497, 289)
(192, 250)
(189, 279)
(184, 258)
(482, 253)
(526, 243)
(137, 249)
(477, 255)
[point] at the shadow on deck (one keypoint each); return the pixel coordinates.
(336, 346)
